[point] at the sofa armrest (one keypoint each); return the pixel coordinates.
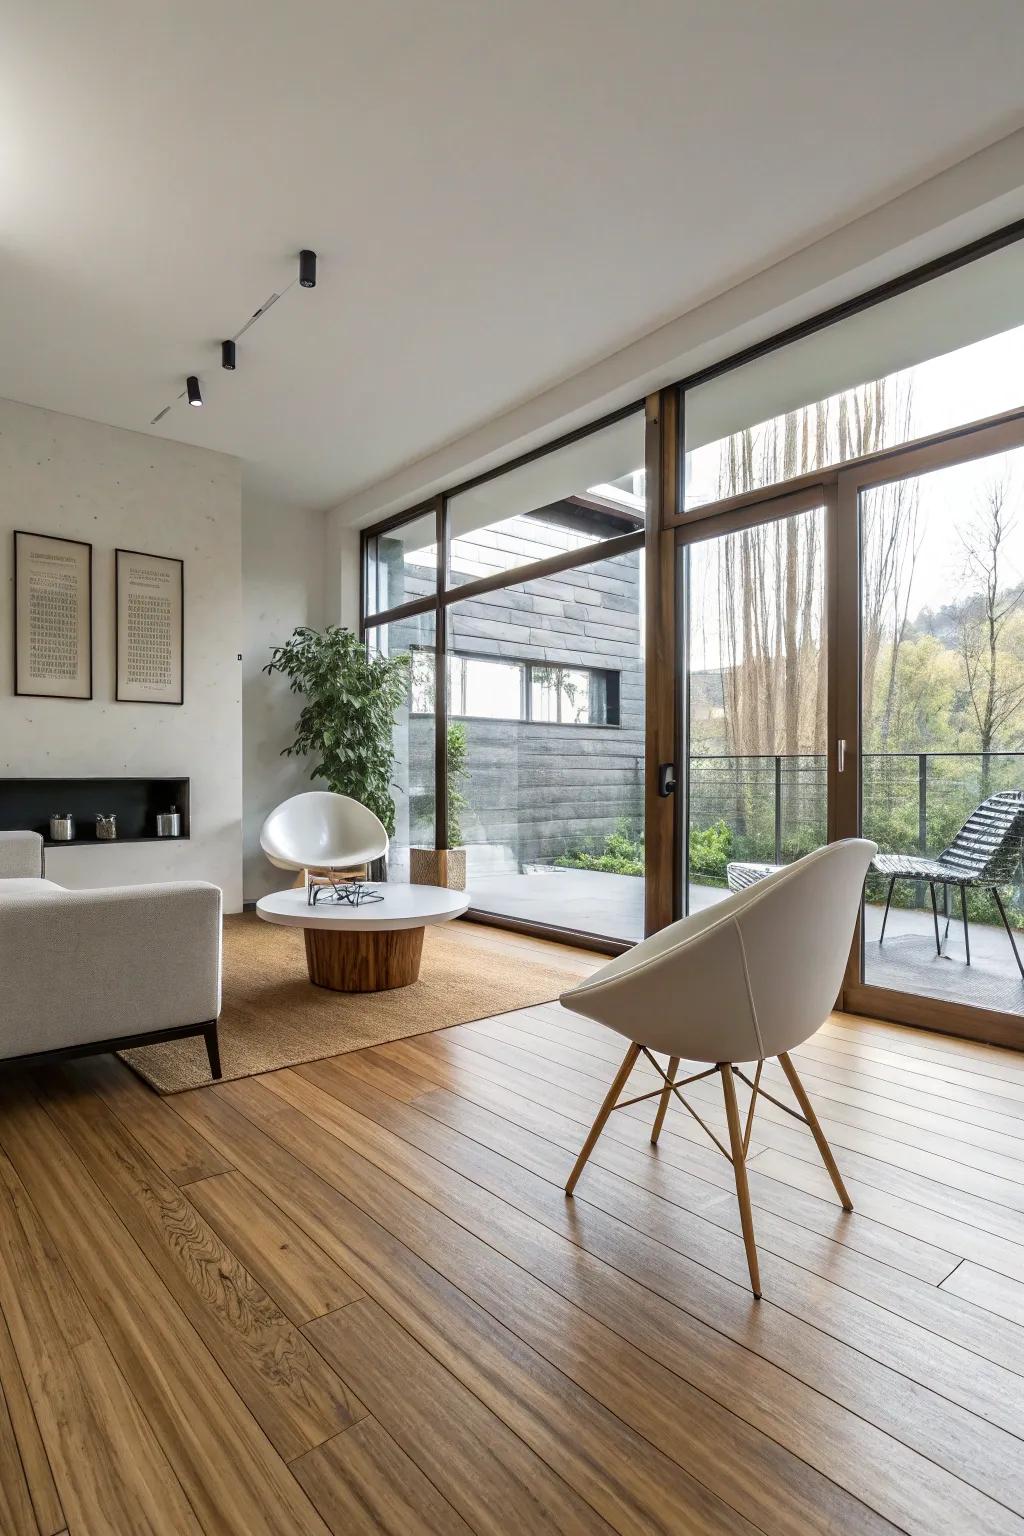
(77, 966)
(21, 856)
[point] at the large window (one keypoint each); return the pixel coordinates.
(945, 353)
(539, 628)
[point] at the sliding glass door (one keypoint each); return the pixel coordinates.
(934, 725)
(755, 705)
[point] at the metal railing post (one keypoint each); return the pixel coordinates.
(778, 809)
(922, 818)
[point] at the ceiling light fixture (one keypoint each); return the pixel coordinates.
(227, 355)
(195, 394)
(307, 269)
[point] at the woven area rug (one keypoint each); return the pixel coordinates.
(273, 1017)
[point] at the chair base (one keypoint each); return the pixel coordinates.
(739, 1134)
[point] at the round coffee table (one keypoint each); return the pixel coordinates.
(369, 948)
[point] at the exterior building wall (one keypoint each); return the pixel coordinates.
(536, 791)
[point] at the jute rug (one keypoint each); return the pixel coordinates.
(273, 1017)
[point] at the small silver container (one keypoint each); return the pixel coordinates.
(106, 828)
(62, 827)
(168, 823)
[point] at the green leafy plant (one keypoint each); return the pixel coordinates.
(710, 851)
(458, 772)
(346, 722)
(621, 854)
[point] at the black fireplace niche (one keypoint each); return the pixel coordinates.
(26, 805)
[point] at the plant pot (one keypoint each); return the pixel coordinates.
(438, 866)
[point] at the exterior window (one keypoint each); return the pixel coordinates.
(568, 696)
(488, 690)
(484, 689)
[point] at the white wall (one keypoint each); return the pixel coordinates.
(78, 479)
(284, 581)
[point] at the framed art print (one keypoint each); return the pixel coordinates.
(149, 628)
(52, 616)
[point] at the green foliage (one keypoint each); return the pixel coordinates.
(621, 854)
(347, 719)
(458, 772)
(710, 851)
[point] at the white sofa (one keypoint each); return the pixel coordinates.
(82, 972)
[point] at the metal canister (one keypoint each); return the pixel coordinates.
(168, 823)
(106, 828)
(62, 827)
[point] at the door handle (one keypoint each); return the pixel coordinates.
(666, 779)
(841, 755)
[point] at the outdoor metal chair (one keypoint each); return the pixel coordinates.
(985, 854)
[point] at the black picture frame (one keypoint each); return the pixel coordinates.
(120, 696)
(56, 538)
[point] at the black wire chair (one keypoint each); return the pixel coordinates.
(985, 854)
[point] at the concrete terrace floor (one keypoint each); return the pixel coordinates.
(612, 907)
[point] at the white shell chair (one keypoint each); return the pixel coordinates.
(749, 978)
(321, 830)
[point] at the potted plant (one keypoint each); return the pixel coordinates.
(346, 722)
(447, 866)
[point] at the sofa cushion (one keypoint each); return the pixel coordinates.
(25, 886)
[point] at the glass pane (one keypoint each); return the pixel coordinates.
(492, 690)
(412, 737)
(401, 564)
(548, 798)
(573, 497)
(757, 702)
(944, 354)
(942, 663)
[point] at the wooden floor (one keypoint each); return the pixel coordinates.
(351, 1297)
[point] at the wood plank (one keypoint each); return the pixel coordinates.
(17, 1516)
(934, 1428)
(294, 1396)
(595, 1354)
(364, 1484)
(109, 1470)
(903, 1214)
(496, 1062)
(602, 1464)
(507, 1123)
(174, 1147)
(995, 1204)
(1007, 1069)
(38, 1475)
(994, 1175)
(233, 1478)
(291, 1267)
(987, 1289)
(976, 1093)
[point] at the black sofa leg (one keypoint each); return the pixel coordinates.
(212, 1047)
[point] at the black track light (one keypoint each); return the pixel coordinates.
(227, 355)
(307, 269)
(195, 394)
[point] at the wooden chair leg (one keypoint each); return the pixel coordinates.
(621, 1078)
(666, 1094)
(739, 1168)
(800, 1094)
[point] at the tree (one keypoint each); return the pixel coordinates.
(989, 632)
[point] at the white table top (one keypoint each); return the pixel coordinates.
(404, 906)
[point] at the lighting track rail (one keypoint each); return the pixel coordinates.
(305, 277)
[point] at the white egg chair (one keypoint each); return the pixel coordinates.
(320, 830)
(747, 979)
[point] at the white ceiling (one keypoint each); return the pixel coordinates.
(501, 192)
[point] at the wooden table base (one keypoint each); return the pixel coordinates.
(363, 962)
